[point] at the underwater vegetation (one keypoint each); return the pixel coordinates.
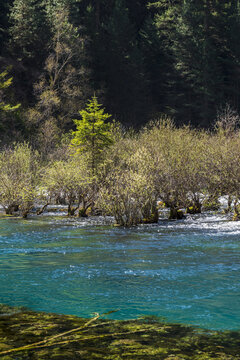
(28, 335)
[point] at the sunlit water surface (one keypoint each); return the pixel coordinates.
(185, 271)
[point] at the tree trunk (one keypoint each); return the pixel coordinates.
(97, 14)
(205, 62)
(11, 209)
(195, 207)
(176, 214)
(151, 216)
(42, 209)
(236, 215)
(229, 208)
(71, 210)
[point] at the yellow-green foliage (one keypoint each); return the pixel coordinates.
(174, 161)
(179, 166)
(223, 159)
(125, 190)
(69, 179)
(93, 134)
(124, 195)
(19, 177)
(125, 173)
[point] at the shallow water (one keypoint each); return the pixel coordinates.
(185, 271)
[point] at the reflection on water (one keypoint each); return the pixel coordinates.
(186, 271)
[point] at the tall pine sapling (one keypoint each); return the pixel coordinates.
(93, 133)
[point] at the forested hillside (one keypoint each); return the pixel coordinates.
(141, 58)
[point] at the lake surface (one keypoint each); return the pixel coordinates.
(186, 271)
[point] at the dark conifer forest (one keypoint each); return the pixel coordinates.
(141, 58)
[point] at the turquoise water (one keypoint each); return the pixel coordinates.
(185, 271)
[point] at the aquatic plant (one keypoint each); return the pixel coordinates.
(29, 335)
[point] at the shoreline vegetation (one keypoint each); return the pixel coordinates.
(218, 207)
(169, 69)
(103, 169)
(25, 334)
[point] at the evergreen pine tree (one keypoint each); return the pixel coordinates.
(93, 134)
(29, 31)
(4, 24)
